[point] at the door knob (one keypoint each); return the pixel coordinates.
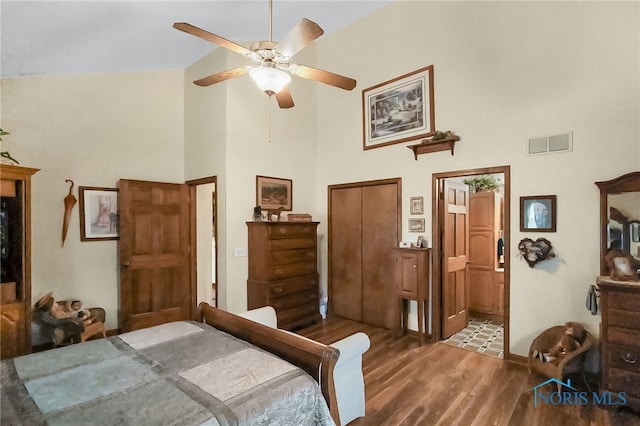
(126, 264)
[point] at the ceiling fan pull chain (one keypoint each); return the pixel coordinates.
(270, 20)
(270, 107)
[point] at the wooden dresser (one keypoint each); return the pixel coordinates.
(283, 271)
(620, 338)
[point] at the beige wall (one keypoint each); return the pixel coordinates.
(504, 72)
(235, 132)
(94, 130)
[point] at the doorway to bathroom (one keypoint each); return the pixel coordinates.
(471, 231)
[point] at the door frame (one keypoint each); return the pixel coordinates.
(193, 234)
(436, 224)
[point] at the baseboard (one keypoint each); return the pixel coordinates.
(518, 359)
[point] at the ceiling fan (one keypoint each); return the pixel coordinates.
(272, 68)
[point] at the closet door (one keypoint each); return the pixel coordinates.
(345, 254)
(379, 238)
(363, 231)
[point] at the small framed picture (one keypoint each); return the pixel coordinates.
(419, 242)
(416, 225)
(274, 193)
(538, 213)
(99, 218)
(417, 205)
(621, 266)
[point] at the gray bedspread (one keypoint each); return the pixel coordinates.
(181, 373)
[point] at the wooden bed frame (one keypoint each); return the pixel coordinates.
(316, 359)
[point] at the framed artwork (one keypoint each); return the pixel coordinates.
(419, 241)
(399, 110)
(99, 218)
(417, 205)
(538, 213)
(621, 266)
(416, 225)
(274, 193)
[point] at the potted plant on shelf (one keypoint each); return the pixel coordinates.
(484, 183)
(5, 156)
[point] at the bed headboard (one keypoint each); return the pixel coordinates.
(316, 359)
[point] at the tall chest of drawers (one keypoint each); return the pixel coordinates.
(620, 338)
(283, 271)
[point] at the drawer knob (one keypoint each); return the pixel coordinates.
(283, 230)
(278, 272)
(629, 359)
(278, 289)
(279, 305)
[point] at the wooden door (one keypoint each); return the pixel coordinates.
(154, 254)
(455, 248)
(345, 253)
(379, 239)
(364, 226)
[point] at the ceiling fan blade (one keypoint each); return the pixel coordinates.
(322, 76)
(222, 76)
(206, 35)
(298, 37)
(284, 98)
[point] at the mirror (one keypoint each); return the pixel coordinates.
(619, 217)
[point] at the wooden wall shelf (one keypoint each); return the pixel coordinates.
(428, 145)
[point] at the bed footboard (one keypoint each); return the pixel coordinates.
(316, 359)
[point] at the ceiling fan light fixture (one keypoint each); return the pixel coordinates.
(269, 79)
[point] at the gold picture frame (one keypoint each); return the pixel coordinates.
(399, 110)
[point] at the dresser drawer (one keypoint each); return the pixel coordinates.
(624, 357)
(626, 319)
(296, 299)
(284, 257)
(291, 271)
(292, 243)
(623, 336)
(290, 231)
(624, 301)
(304, 284)
(623, 381)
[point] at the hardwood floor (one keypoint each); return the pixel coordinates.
(441, 385)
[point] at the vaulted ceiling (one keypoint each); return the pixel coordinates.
(79, 37)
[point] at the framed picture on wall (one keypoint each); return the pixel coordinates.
(416, 205)
(274, 193)
(538, 213)
(399, 110)
(99, 219)
(416, 225)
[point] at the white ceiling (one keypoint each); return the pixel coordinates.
(77, 37)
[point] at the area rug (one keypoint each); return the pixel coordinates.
(482, 336)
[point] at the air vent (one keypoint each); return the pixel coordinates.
(551, 144)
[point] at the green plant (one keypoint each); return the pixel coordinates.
(483, 183)
(6, 154)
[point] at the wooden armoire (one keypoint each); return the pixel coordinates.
(364, 229)
(15, 254)
(486, 280)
